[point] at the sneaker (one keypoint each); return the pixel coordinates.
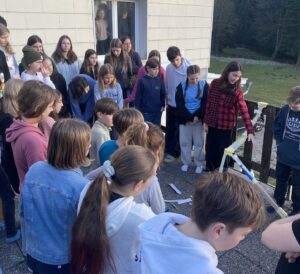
(169, 158)
(12, 239)
(184, 168)
(199, 169)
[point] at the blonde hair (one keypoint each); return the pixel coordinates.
(146, 135)
(105, 70)
(4, 30)
(11, 91)
(294, 96)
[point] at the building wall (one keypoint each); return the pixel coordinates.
(49, 19)
(186, 24)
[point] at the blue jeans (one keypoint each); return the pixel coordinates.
(154, 117)
(41, 268)
(283, 173)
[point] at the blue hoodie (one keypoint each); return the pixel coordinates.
(151, 94)
(86, 99)
(286, 128)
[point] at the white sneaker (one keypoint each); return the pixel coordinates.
(184, 168)
(199, 169)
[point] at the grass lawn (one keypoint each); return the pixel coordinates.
(271, 83)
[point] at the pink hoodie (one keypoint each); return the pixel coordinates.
(29, 145)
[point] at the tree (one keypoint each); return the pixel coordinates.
(224, 25)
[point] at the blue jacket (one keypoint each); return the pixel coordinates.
(182, 112)
(150, 95)
(49, 203)
(86, 99)
(286, 128)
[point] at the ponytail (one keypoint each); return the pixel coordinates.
(193, 69)
(90, 244)
(90, 250)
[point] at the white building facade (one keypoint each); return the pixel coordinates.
(152, 24)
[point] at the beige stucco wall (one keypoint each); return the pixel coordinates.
(49, 19)
(186, 24)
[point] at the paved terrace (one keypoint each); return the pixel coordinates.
(250, 256)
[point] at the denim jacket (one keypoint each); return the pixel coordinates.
(49, 203)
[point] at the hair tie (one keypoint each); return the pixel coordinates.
(146, 126)
(108, 170)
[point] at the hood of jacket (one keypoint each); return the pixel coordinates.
(18, 128)
(164, 247)
(117, 213)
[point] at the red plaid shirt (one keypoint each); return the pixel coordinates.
(222, 109)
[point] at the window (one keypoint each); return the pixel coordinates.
(121, 18)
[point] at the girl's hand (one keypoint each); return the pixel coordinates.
(292, 256)
(125, 104)
(196, 119)
(45, 72)
(250, 137)
(205, 127)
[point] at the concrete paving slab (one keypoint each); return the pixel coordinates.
(249, 257)
(232, 262)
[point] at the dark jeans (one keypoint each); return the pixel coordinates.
(154, 118)
(102, 47)
(8, 204)
(216, 141)
(41, 268)
(283, 173)
(172, 133)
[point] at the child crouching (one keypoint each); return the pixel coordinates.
(225, 209)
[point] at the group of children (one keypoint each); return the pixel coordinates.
(105, 222)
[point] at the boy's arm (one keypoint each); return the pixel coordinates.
(280, 235)
(201, 111)
(162, 94)
(75, 108)
(120, 96)
(243, 109)
(97, 93)
(278, 126)
(139, 91)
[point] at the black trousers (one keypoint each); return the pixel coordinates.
(41, 268)
(283, 173)
(8, 204)
(172, 133)
(216, 141)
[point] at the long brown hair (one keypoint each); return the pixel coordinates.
(90, 250)
(118, 60)
(225, 86)
(86, 68)
(58, 53)
(68, 143)
(4, 30)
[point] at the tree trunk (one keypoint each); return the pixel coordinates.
(298, 59)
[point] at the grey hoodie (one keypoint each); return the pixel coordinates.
(174, 76)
